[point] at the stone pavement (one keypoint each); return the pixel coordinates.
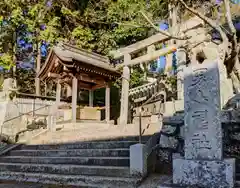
(91, 131)
(153, 181)
(21, 185)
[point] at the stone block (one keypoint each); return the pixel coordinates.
(67, 114)
(138, 160)
(176, 156)
(88, 113)
(51, 123)
(173, 106)
(203, 173)
(168, 142)
(154, 119)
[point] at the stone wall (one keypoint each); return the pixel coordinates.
(27, 105)
(14, 117)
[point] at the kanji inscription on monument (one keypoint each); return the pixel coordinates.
(203, 134)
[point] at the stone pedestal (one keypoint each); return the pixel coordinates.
(209, 174)
(138, 160)
(67, 114)
(203, 163)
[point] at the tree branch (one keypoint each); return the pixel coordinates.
(235, 48)
(229, 16)
(131, 25)
(162, 31)
(210, 22)
(207, 20)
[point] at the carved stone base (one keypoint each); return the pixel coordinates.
(202, 173)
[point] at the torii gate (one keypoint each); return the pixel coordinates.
(151, 54)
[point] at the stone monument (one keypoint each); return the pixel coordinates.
(203, 164)
(9, 124)
(9, 86)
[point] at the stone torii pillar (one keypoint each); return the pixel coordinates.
(181, 64)
(125, 92)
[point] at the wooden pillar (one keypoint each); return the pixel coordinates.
(74, 99)
(107, 103)
(58, 94)
(45, 88)
(125, 91)
(91, 98)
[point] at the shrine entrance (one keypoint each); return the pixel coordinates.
(74, 69)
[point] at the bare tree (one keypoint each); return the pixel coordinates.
(230, 46)
(229, 42)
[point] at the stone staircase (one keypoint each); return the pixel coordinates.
(85, 164)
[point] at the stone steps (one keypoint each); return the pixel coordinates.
(82, 145)
(85, 164)
(123, 152)
(74, 136)
(237, 184)
(71, 180)
(96, 161)
(111, 171)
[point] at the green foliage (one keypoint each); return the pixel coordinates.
(172, 81)
(83, 37)
(95, 25)
(137, 78)
(6, 61)
(67, 12)
(1, 80)
(51, 33)
(25, 80)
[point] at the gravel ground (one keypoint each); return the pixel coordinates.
(23, 185)
(153, 181)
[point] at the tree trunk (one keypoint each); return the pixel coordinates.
(14, 67)
(38, 67)
(235, 82)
